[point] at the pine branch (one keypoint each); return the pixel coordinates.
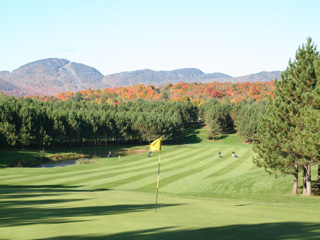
(296, 77)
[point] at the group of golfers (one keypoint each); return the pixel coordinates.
(233, 154)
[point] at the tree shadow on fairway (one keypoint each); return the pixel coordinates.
(221, 137)
(45, 188)
(24, 191)
(26, 215)
(14, 158)
(191, 136)
(27, 205)
(274, 231)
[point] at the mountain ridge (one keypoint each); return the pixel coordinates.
(54, 75)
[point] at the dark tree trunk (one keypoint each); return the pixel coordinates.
(319, 177)
(295, 181)
(309, 179)
(304, 176)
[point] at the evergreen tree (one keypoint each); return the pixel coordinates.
(247, 119)
(215, 129)
(216, 114)
(288, 134)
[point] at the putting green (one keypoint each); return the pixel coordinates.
(201, 196)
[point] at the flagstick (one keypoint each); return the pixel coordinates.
(158, 181)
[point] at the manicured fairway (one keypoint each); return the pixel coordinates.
(201, 196)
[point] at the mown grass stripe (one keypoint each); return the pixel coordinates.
(167, 177)
(228, 168)
(79, 178)
(195, 180)
(81, 175)
(43, 173)
(63, 172)
(187, 162)
(169, 165)
(137, 173)
(199, 182)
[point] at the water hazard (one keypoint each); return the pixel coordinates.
(62, 163)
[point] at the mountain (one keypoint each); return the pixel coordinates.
(187, 75)
(53, 75)
(158, 78)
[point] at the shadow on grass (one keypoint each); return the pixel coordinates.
(16, 158)
(192, 135)
(192, 138)
(11, 195)
(275, 231)
(220, 137)
(16, 189)
(27, 205)
(28, 214)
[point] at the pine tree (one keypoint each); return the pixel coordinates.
(288, 134)
(215, 129)
(247, 119)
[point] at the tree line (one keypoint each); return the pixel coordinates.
(31, 122)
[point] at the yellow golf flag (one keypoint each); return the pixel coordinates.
(156, 145)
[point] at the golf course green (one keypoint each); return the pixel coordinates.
(201, 196)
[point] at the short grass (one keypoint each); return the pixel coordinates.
(201, 196)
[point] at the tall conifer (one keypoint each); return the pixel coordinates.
(289, 132)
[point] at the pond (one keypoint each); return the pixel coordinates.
(62, 163)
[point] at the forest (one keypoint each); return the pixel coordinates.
(135, 114)
(31, 122)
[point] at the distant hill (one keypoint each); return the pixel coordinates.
(51, 76)
(187, 75)
(158, 78)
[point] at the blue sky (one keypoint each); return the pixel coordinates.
(232, 37)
